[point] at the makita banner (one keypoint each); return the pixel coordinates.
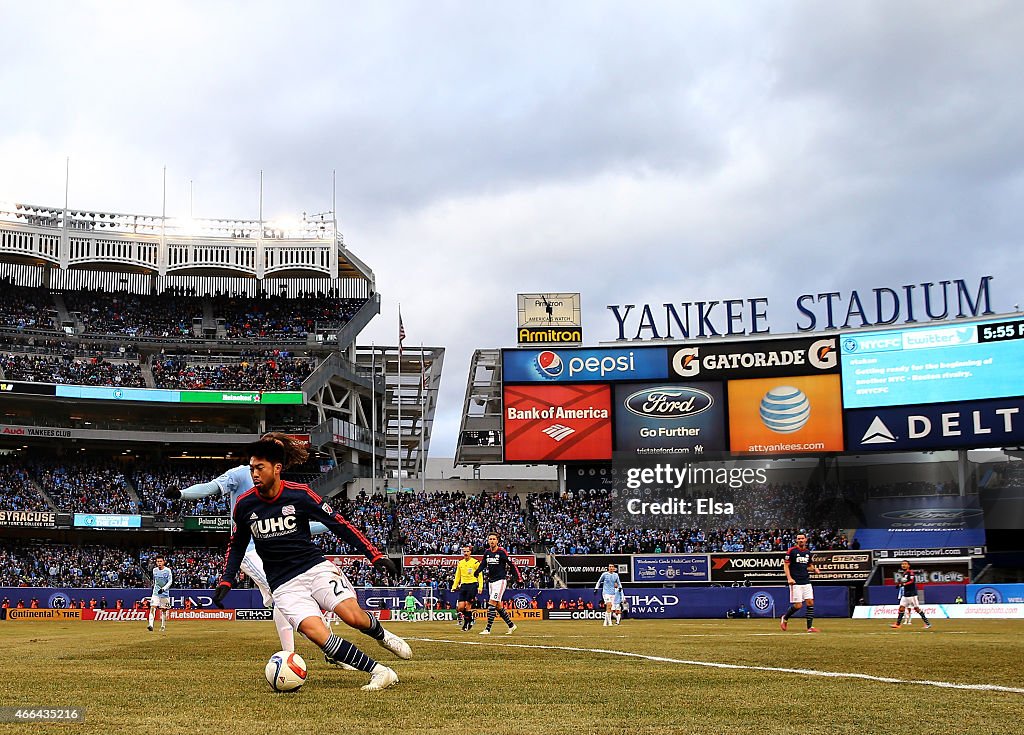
(450, 560)
(587, 568)
(995, 423)
(671, 568)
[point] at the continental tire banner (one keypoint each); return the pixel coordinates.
(28, 518)
(587, 568)
(765, 567)
(49, 614)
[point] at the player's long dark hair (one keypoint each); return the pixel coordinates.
(295, 453)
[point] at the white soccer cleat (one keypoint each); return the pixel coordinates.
(511, 630)
(396, 645)
(485, 631)
(381, 678)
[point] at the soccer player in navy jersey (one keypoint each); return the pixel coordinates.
(276, 515)
(798, 566)
(495, 564)
(908, 597)
(233, 483)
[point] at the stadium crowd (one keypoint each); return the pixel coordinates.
(133, 315)
(70, 370)
(275, 370)
(16, 490)
(33, 564)
(25, 307)
(83, 486)
(440, 523)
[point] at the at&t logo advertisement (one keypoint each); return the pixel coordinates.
(791, 415)
(670, 418)
(585, 365)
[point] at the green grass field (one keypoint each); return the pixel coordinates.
(208, 677)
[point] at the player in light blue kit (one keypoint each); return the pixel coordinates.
(161, 598)
(620, 601)
(609, 584)
(233, 483)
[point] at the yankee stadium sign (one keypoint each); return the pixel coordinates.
(914, 302)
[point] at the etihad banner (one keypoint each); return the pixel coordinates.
(659, 418)
(997, 423)
(557, 423)
(755, 359)
(451, 560)
(28, 518)
(780, 416)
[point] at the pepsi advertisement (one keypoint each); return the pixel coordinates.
(931, 365)
(587, 365)
(652, 418)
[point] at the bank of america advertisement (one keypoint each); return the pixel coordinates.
(673, 418)
(779, 416)
(557, 423)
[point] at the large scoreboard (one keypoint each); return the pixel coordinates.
(955, 385)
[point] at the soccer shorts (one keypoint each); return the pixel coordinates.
(252, 565)
(909, 602)
(161, 601)
(496, 590)
(468, 592)
(800, 593)
(609, 602)
(321, 588)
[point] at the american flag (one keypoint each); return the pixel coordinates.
(401, 332)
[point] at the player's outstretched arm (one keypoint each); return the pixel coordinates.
(193, 492)
(343, 529)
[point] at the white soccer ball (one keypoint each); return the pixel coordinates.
(286, 671)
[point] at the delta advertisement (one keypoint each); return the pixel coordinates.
(937, 364)
(995, 423)
(761, 359)
(653, 418)
(780, 416)
(557, 423)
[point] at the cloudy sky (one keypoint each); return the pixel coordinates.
(635, 153)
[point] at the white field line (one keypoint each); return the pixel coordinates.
(717, 665)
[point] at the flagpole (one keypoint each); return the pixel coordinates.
(398, 396)
(423, 422)
(373, 415)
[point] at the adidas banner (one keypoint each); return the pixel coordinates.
(993, 423)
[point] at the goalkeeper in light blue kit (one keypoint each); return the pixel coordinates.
(610, 586)
(234, 483)
(161, 599)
